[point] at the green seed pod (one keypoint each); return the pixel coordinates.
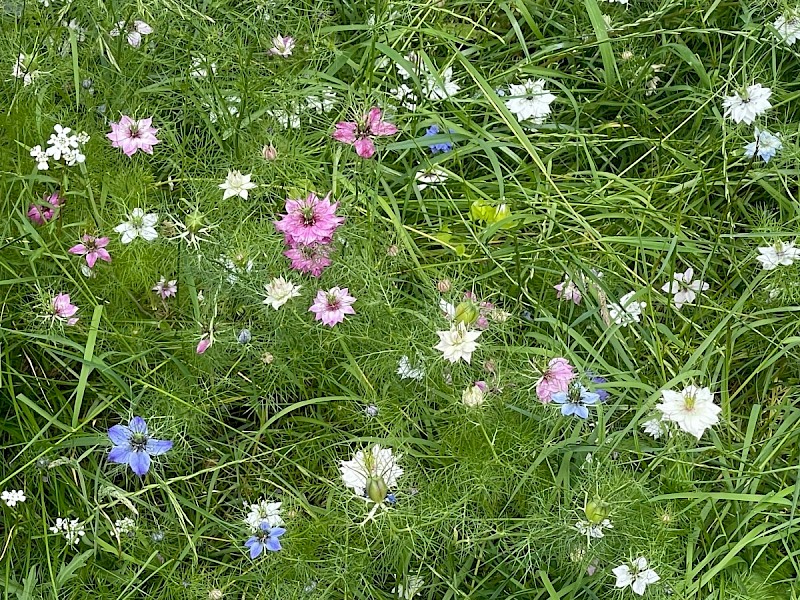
(377, 489)
(466, 312)
(597, 511)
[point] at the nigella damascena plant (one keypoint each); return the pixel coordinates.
(133, 445)
(372, 474)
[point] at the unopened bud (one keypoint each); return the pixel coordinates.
(444, 286)
(597, 511)
(377, 489)
(466, 312)
(269, 152)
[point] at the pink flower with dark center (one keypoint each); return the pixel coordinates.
(92, 248)
(555, 379)
(165, 288)
(311, 259)
(309, 221)
(360, 134)
(42, 213)
(330, 307)
(63, 310)
(133, 135)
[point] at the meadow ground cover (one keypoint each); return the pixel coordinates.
(450, 299)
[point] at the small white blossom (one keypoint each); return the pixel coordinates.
(264, 512)
(474, 395)
(684, 289)
(593, 530)
(13, 497)
(654, 428)
(234, 269)
(779, 254)
(693, 409)
(323, 102)
(440, 87)
(433, 176)
(414, 585)
(457, 343)
(286, 119)
(22, 70)
(201, 67)
(374, 468)
(406, 371)
(766, 145)
(140, 225)
(405, 96)
(530, 101)
(627, 311)
(124, 526)
(72, 530)
(236, 184)
(637, 578)
(787, 29)
(282, 46)
(41, 158)
(134, 31)
(280, 291)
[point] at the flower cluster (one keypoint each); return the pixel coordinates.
(62, 145)
(308, 227)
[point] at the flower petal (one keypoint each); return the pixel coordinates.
(138, 425)
(119, 435)
(140, 463)
(156, 447)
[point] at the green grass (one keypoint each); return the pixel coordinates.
(636, 185)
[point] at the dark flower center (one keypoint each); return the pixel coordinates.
(333, 303)
(138, 442)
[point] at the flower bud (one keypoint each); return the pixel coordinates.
(444, 286)
(377, 489)
(244, 336)
(597, 510)
(269, 152)
(215, 595)
(474, 395)
(466, 312)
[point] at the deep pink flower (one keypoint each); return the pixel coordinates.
(330, 307)
(92, 248)
(309, 221)
(555, 379)
(309, 259)
(42, 213)
(360, 134)
(63, 310)
(133, 135)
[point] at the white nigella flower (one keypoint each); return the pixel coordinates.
(282, 46)
(627, 311)
(414, 585)
(286, 119)
(683, 288)
(80, 31)
(416, 63)
(406, 371)
(457, 343)
(530, 101)
(236, 184)
(201, 68)
(405, 96)
(264, 512)
(134, 31)
(323, 102)
(231, 105)
(777, 255)
(693, 409)
(766, 145)
(280, 291)
(440, 88)
(746, 106)
(371, 473)
(22, 70)
(13, 497)
(593, 530)
(474, 395)
(638, 578)
(787, 29)
(72, 530)
(235, 268)
(654, 428)
(140, 225)
(431, 176)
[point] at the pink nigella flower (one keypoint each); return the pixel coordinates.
(309, 221)
(92, 248)
(165, 288)
(282, 46)
(567, 290)
(330, 307)
(133, 135)
(205, 344)
(555, 379)
(63, 310)
(360, 134)
(311, 259)
(42, 213)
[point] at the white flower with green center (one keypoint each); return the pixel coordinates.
(371, 473)
(264, 512)
(530, 101)
(627, 311)
(745, 106)
(236, 184)
(779, 254)
(140, 225)
(638, 577)
(280, 291)
(693, 409)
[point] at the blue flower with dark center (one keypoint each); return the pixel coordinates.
(133, 445)
(575, 400)
(440, 147)
(267, 538)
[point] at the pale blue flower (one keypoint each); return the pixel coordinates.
(266, 538)
(575, 400)
(766, 145)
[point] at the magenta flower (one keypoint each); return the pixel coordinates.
(330, 307)
(63, 310)
(555, 379)
(165, 288)
(309, 221)
(311, 259)
(205, 344)
(360, 134)
(42, 213)
(92, 248)
(133, 135)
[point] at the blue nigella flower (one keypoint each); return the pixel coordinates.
(575, 400)
(133, 445)
(266, 538)
(766, 145)
(390, 499)
(596, 379)
(440, 147)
